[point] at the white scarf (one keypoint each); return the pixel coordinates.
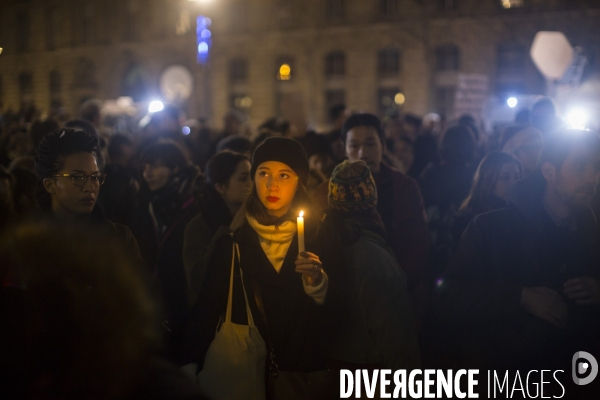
(274, 240)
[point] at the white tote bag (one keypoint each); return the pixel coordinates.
(234, 365)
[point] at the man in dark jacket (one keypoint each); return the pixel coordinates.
(523, 288)
(399, 203)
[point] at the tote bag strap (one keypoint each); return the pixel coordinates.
(230, 296)
(248, 311)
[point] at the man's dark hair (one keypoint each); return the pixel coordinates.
(364, 119)
(116, 143)
(51, 154)
(167, 153)
(222, 166)
(561, 143)
(336, 110)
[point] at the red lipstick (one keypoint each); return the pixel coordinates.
(272, 199)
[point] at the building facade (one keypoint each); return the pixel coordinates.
(287, 58)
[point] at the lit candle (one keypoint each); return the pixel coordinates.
(301, 232)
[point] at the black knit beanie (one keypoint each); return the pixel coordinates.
(284, 150)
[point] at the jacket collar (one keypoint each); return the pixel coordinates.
(255, 262)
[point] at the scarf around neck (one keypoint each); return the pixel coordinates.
(274, 240)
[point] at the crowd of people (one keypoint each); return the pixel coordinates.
(425, 244)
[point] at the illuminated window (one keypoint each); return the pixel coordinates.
(183, 25)
(512, 3)
(389, 99)
(388, 62)
(447, 58)
(240, 101)
(335, 64)
(285, 68)
(238, 70)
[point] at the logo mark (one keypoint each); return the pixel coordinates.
(590, 364)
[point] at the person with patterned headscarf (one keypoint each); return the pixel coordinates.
(371, 318)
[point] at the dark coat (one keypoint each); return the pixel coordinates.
(369, 316)
(401, 207)
(503, 251)
(160, 237)
(294, 319)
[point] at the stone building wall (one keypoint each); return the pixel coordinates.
(105, 39)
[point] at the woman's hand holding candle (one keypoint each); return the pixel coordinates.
(309, 265)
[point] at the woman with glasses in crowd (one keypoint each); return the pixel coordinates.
(69, 182)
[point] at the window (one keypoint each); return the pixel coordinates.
(512, 3)
(388, 62)
(238, 70)
(52, 29)
(444, 100)
(55, 82)
(285, 68)
(335, 64)
(239, 16)
(511, 58)
(85, 72)
(334, 98)
(26, 86)
(334, 9)
(447, 58)
(23, 29)
(134, 83)
(87, 31)
(131, 20)
(388, 7)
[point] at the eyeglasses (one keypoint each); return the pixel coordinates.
(81, 179)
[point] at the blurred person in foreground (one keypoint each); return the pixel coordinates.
(523, 289)
(78, 323)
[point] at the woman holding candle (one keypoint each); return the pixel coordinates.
(286, 288)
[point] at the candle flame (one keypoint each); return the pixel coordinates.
(301, 214)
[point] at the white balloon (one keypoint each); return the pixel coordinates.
(176, 83)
